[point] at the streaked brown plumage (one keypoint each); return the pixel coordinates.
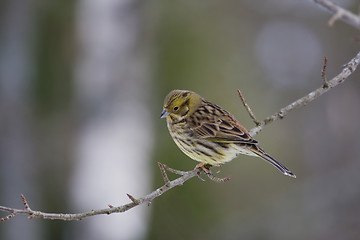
(207, 133)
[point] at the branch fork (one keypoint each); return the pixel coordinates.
(339, 13)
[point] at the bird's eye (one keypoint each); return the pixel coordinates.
(176, 108)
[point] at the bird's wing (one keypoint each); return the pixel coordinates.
(220, 127)
(235, 134)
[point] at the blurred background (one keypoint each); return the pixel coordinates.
(82, 85)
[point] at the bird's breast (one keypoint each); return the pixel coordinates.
(200, 149)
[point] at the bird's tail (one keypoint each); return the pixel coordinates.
(275, 163)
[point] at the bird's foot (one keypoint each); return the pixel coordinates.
(205, 167)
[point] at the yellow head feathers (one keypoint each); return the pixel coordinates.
(180, 103)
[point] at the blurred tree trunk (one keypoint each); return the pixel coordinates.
(16, 162)
(114, 133)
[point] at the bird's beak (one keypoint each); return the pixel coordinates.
(164, 114)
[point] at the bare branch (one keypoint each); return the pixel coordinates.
(348, 69)
(339, 13)
(248, 109)
(178, 172)
(163, 173)
(7, 217)
(111, 209)
(323, 74)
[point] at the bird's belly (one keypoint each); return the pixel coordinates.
(206, 151)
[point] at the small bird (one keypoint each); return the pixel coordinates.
(209, 134)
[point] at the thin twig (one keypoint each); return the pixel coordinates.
(335, 17)
(26, 204)
(323, 74)
(339, 13)
(163, 173)
(134, 200)
(178, 172)
(248, 109)
(6, 218)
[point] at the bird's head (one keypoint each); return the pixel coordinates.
(179, 104)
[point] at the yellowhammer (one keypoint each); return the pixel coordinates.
(207, 133)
